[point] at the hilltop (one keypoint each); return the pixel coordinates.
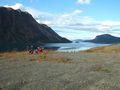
(105, 39)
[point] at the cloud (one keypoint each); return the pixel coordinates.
(41, 17)
(16, 6)
(111, 23)
(77, 11)
(72, 20)
(66, 19)
(49, 18)
(83, 1)
(38, 14)
(31, 1)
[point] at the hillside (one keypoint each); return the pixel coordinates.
(19, 29)
(114, 48)
(105, 39)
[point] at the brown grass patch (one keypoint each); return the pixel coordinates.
(117, 50)
(90, 60)
(22, 54)
(58, 57)
(98, 49)
(105, 49)
(45, 56)
(13, 54)
(100, 68)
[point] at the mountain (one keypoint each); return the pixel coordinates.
(19, 29)
(105, 39)
(77, 40)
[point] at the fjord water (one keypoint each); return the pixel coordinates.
(73, 47)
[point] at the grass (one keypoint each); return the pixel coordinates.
(70, 70)
(13, 54)
(95, 49)
(115, 48)
(50, 55)
(47, 55)
(1, 55)
(58, 57)
(100, 68)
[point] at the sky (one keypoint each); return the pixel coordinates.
(73, 19)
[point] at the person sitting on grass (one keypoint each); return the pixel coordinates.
(31, 51)
(41, 53)
(39, 50)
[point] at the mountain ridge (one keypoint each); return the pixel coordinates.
(104, 39)
(19, 29)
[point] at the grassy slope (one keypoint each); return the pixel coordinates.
(115, 48)
(93, 69)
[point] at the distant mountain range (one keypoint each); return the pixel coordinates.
(77, 40)
(105, 39)
(19, 29)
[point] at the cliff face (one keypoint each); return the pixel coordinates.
(105, 39)
(19, 29)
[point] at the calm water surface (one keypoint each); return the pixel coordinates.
(73, 47)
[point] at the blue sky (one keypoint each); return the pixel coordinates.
(74, 19)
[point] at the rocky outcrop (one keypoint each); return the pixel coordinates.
(105, 39)
(19, 29)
